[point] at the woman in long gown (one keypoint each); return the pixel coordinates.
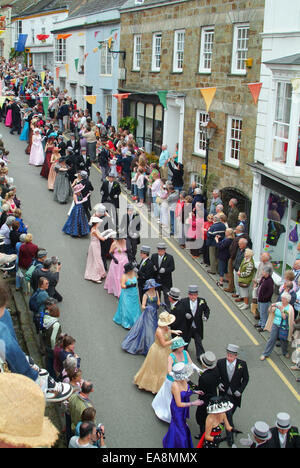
(215, 421)
(47, 163)
(36, 157)
(52, 173)
(62, 187)
(25, 131)
(8, 118)
(128, 310)
(179, 434)
(95, 270)
(153, 372)
(142, 335)
(162, 401)
(116, 270)
(77, 223)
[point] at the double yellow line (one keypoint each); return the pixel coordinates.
(211, 289)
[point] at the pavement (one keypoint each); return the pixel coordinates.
(87, 312)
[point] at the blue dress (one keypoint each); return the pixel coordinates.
(25, 132)
(179, 434)
(77, 224)
(142, 334)
(128, 310)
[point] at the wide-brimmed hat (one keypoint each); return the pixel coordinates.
(78, 188)
(182, 371)
(22, 410)
(208, 359)
(151, 283)
(261, 430)
(283, 421)
(165, 319)
(178, 343)
(95, 219)
(218, 405)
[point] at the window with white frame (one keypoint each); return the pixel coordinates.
(200, 140)
(108, 104)
(233, 140)
(137, 49)
(18, 29)
(195, 177)
(60, 50)
(281, 125)
(178, 50)
(156, 52)
(105, 61)
(240, 48)
(206, 49)
(32, 36)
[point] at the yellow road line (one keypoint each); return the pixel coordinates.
(232, 314)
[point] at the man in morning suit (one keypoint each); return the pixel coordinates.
(110, 192)
(145, 269)
(164, 266)
(234, 379)
(284, 435)
(130, 227)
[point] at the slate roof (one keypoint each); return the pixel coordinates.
(88, 7)
(132, 4)
(26, 8)
(288, 60)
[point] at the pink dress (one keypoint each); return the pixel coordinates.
(8, 119)
(37, 156)
(95, 270)
(115, 272)
(52, 175)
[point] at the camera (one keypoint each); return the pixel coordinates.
(55, 261)
(99, 432)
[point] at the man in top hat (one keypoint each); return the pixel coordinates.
(83, 161)
(16, 117)
(284, 435)
(194, 311)
(61, 145)
(130, 227)
(107, 223)
(74, 144)
(145, 269)
(209, 379)
(111, 191)
(234, 379)
(164, 266)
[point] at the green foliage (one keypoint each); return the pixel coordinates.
(129, 123)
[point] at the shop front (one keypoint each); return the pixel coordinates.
(275, 219)
(149, 113)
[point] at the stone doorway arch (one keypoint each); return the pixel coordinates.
(244, 202)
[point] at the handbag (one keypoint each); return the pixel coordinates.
(158, 200)
(243, 285)
(283, 332)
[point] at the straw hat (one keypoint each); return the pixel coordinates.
(165, 319)
(22, 409)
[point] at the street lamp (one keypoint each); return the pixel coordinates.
(209, 129)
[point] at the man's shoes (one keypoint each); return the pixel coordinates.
(244, 306)
(233, 295)
(198, 436)
(57, 391)
(211, 272)
(239, 299)
(229, 439)
(228, 290)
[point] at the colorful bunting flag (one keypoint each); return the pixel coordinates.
(91, 99)
(80, 34)
(85, 55)
(45, 105)
(109, 41)
(255, 91)
(57, 72)
(96, 33)
(2, 101)
(67, 69)
(162, 95)
(95, 50)
(63, 36)
(208, 96)
(121, 96)
(76, 63)
(43, 77)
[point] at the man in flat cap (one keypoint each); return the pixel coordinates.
(234, 379)
(164, 265)
(145, 269)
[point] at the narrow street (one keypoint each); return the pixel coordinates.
(87, 312)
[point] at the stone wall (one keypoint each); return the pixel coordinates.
(232, 96)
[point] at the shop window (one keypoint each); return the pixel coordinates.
(140, 118)
(149, 128)
(158, 129)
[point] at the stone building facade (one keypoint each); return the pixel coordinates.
(179, 47)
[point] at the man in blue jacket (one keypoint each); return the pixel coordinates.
(218, 228)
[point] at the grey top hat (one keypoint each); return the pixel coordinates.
(145, 249)
(208, 359)
(174, 293)
(283, 421)
(193, 289)
(84, 174)
(261, 430)
(111, 174)
(161, 246)
(233, 349)
(130, 207)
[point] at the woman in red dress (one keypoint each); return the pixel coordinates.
(47, 163)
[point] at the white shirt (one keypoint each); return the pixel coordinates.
(230, 371)
(193, 307)
(282, 439)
